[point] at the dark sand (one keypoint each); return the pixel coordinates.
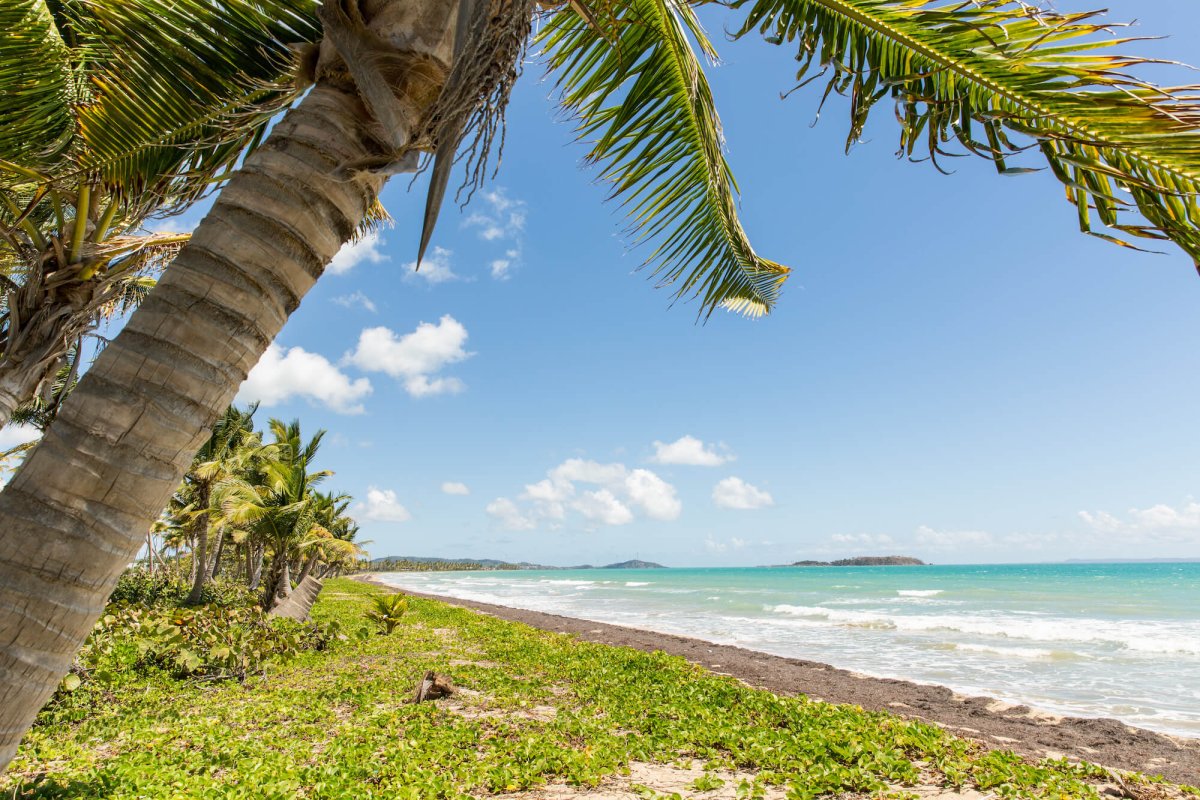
(1018, 728)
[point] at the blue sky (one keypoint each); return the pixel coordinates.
(953, 372)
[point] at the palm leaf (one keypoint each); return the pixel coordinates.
(977, 72)
(634, 85)
(184, 87)
(36, 123)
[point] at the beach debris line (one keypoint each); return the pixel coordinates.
(432, 687)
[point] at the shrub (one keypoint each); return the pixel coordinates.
(387, 610)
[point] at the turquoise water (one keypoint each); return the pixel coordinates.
(1113, 640)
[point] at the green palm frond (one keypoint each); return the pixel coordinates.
(977, 72)
(175, 90)
(183, 87)
(36, 123)
(634, 84)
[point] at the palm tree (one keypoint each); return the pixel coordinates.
(100, 128)
(230, 446)
(277, 505)
(394, 79)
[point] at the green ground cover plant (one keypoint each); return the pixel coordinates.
(532, 708)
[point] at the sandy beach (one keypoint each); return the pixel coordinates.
(995, 724)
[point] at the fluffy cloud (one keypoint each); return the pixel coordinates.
(689, 451)
(381, 506)
(505, 512)
(414, 357)
(949, 540)
(715, 546)
(435, 268)
(13, 435)
(862, 540)
(602, 506)
(285, 373)
(355, 299)
(621, 495)
(354, 253)
(500, 218)
(501, 266)
(454, 487)
(1160, 522)
(736, 493)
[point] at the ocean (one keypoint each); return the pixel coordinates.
(1092, 640)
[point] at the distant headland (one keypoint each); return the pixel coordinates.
(427, 564)
(863, 561)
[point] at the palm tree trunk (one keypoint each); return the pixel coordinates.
(218, 549)
(308, 566)
(254, 565)
(199, 561)
(73, 516)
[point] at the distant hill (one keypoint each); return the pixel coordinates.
(864, 561)
(430, 564)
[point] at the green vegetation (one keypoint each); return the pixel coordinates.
(533, 707)
(387, 610)
(254, 504)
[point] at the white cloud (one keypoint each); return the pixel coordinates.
(1159, 522)
(354, 253)
(602, 506)
(435, 268)
(414, 357)
(355, 299)
(621, 495)
(862, 540)
(181, 224)
(689, 451)
(505, 512)
(13, 435)
(930, 537)
(734, 492)
(454, 487)
(501, 217)
(500, 268)
(381, 506)
(653, 495)
(285, 373)
(713, 546)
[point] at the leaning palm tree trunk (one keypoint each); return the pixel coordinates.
(73, 517)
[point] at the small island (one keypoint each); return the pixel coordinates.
(634, 564)
(864, 561)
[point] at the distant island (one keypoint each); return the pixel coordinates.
(864, 561)
(428, 564)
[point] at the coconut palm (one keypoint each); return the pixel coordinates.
(108, 116)
(277, 505)
(395, 79)
(231, 445)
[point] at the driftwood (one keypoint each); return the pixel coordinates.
(299, 603)
(433, 686)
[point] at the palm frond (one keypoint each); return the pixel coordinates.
(36, 123)
(977, 72)
(178, 90)
(636, 88)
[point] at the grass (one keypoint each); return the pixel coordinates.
(539, 707)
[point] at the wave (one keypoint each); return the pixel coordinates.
(566, 582)
(638, 583)
(1137, 637)
(919, 592)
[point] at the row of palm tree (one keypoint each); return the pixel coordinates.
(256, 505)
(107, 106)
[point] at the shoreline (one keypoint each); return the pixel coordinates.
(995, 724)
